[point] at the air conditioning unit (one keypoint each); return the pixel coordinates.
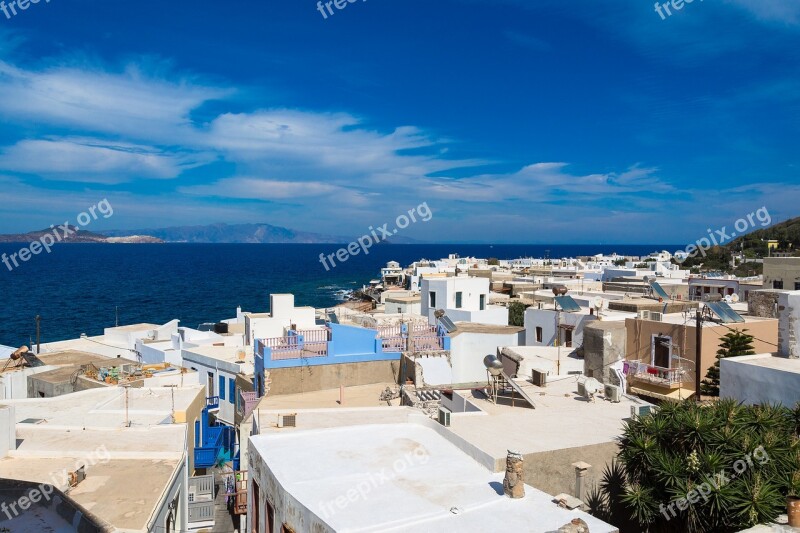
(612, 393)
(287, 421)
(644, 315)
(638, 411)
(539, 378)
(656, 316)
(444, 417)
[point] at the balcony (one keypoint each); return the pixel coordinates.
(206, 455)
(301, 344)
(201, 501)
(248, 403)
(212, 402)
(670, 378)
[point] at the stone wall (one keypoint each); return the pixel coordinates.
(763, 303)
(312, 378)
(603, 344)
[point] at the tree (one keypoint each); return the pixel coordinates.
(493, 261)
(667, 475)
(620, 262)
(516, 314)
(733, 344)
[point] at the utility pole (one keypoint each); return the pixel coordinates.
(38, 335)
(698, 353)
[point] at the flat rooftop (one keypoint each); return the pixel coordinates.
(98, 345)
(570, 421)
(424, 483)
(552, 359)
(765, 360)
(472, 327)
(358, 396)
(229, 354)
(144, 326)
(123, 492)
(105, 407)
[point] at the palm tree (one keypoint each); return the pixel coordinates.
(733, 344)
(714, 468)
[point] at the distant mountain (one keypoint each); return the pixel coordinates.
(73, 234)
(243, 233)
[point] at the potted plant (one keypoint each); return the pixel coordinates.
(793, 501)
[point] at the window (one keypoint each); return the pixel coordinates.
(459, 299)
(231, 390)
(538, 334)
(196, 433)
(661, 354)
(483, 302)
(568, 338)
(222, 387)
(210, 384)
(777, 284)
(432, 297)
(797, 285)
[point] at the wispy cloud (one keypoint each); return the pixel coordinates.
(94, 161)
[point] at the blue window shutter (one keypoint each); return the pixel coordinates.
(222, 387)
(231, 390)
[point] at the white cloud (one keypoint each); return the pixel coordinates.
(128, 102)
(93, 161)
(262, 189)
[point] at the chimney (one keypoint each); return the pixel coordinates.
(514, 482)
(789, 324)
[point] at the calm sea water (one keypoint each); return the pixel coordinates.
(77, 287)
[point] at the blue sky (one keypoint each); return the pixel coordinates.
(515, 120)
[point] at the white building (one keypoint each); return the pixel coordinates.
(217, 368)
(768, 378)
(395, 471)
(136, 461)
(402, 304)
(170, 350)
(283, 315)
(554, 327)
(469, 344)
(463, 299)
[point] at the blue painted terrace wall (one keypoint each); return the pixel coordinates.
(349, 344)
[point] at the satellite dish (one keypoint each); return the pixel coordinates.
(439, 313)
(735, 298)
(493, 364)
(597, 302)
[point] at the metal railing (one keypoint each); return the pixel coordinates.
(427, 342)
(201, 511)
(666, 377)
(203, 487)
(249, 401)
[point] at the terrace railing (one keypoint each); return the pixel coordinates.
(249, 401)
(665, 377)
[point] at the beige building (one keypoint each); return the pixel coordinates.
(782, 273)
(665, 350)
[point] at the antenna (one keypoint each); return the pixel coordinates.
(38, 334)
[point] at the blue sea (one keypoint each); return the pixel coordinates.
(82, 288)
